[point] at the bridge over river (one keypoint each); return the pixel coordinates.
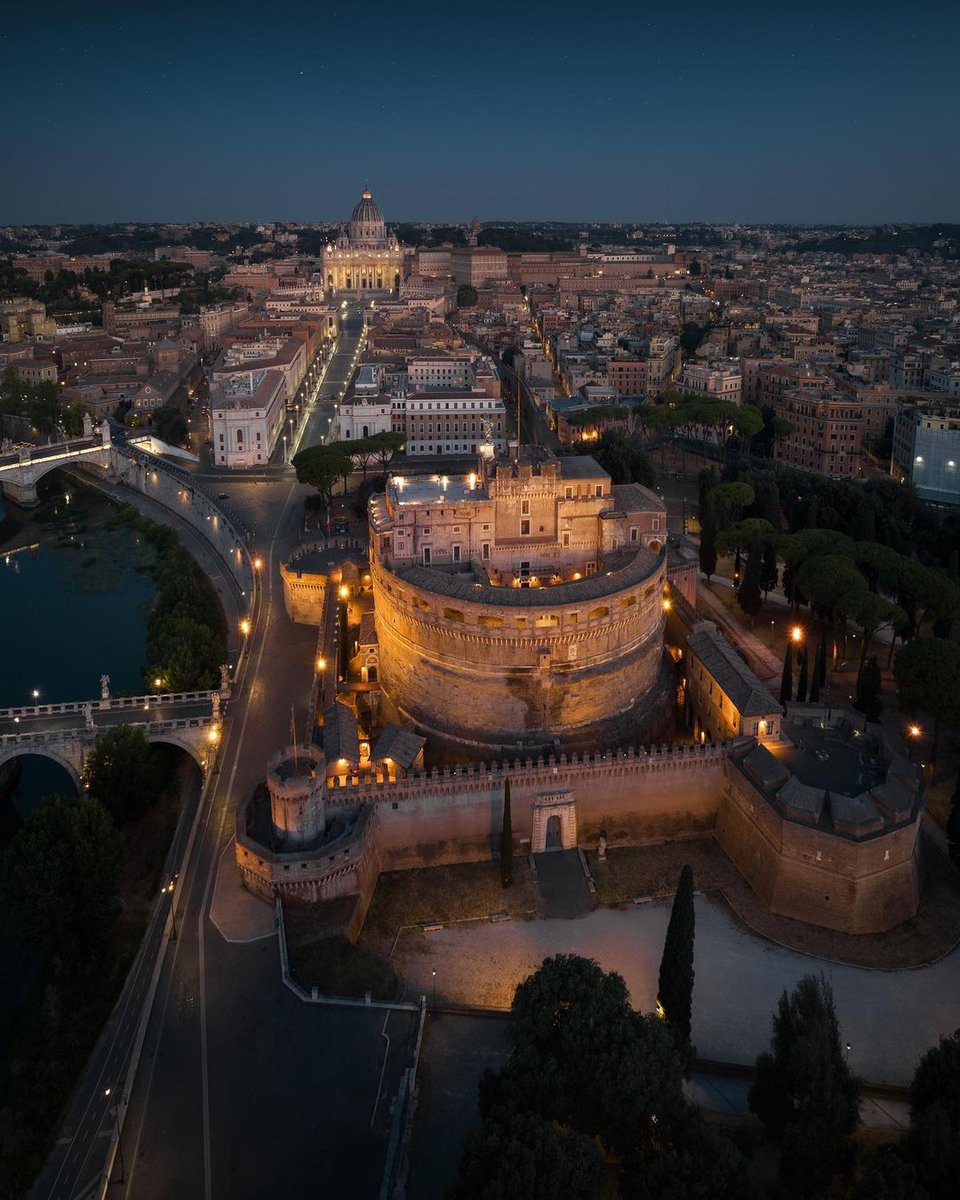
(67, 732)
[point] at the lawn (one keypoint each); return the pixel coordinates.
(460, 892)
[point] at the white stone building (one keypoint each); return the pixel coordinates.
(247, 414)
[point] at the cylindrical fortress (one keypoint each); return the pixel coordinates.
(295, 781)
(500, 668)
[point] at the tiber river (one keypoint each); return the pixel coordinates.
(71, 610)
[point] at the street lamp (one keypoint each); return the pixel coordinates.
(168, 889)
(796, 634)
(116, 1116)
(36, 693)
(245, 626)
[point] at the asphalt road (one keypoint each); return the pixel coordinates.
(338, 375)
(243, 1090)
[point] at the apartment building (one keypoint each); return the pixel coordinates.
(827, 433)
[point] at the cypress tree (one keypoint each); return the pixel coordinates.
(506, 839)
(675, 986)
(869, 698)
(748, 594)
(708, 537)
(786, 679)
(804, 675)
(815, 677)
(768, 568)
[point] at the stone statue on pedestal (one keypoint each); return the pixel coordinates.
(104, 687)
(224, 679)
(88, 715)
(602, 846)
(215, 700)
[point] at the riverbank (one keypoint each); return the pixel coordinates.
(61, 1014)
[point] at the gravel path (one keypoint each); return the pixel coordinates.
(889, 1017)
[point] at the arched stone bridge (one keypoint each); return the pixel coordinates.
(23, 468)
(67, 732)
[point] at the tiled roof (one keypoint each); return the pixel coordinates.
(340, 740)
(403, 746)
(368, 630)
(747, 693)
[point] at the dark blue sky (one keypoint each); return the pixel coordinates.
(777, 111)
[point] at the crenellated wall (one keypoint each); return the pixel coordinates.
(456, 816)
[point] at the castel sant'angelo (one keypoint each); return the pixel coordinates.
(509, 623)
(520, 609)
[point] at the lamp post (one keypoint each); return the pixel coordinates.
(169, 888)
(116, 1116)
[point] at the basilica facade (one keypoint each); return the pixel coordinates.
(366, 257)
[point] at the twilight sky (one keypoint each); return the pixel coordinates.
(780, 111)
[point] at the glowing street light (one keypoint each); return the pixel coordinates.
(213, 734)
(245, 626)
(796, 634)
(321, 664)
(258, 563)
(915, 731)
(36, 693)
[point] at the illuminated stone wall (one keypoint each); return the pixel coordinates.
(575, 665)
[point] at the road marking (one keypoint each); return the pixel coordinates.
(383, 1069)
(211, 872)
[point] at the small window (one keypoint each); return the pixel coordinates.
(485, 550)
(568, 493)
(525, 508)
(524, 528)
(426, 556)
(455, 551)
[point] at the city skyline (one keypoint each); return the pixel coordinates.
(178, 115)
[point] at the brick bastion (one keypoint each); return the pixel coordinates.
(504, 670)
(846, 862)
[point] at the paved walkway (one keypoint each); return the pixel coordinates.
(890, 1017)
(562, 885)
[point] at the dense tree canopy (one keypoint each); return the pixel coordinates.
(324, 466)
(804, 1092)
(585, 1066)
(61, 872)
(122, 772)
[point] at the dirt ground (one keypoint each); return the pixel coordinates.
(652, 871)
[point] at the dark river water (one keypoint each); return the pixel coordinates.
(72, 609)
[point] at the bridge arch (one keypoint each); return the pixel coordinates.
(196, 747)
(19, 483)
(8, 753)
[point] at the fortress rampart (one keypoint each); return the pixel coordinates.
(856, 884)
(456, 815)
